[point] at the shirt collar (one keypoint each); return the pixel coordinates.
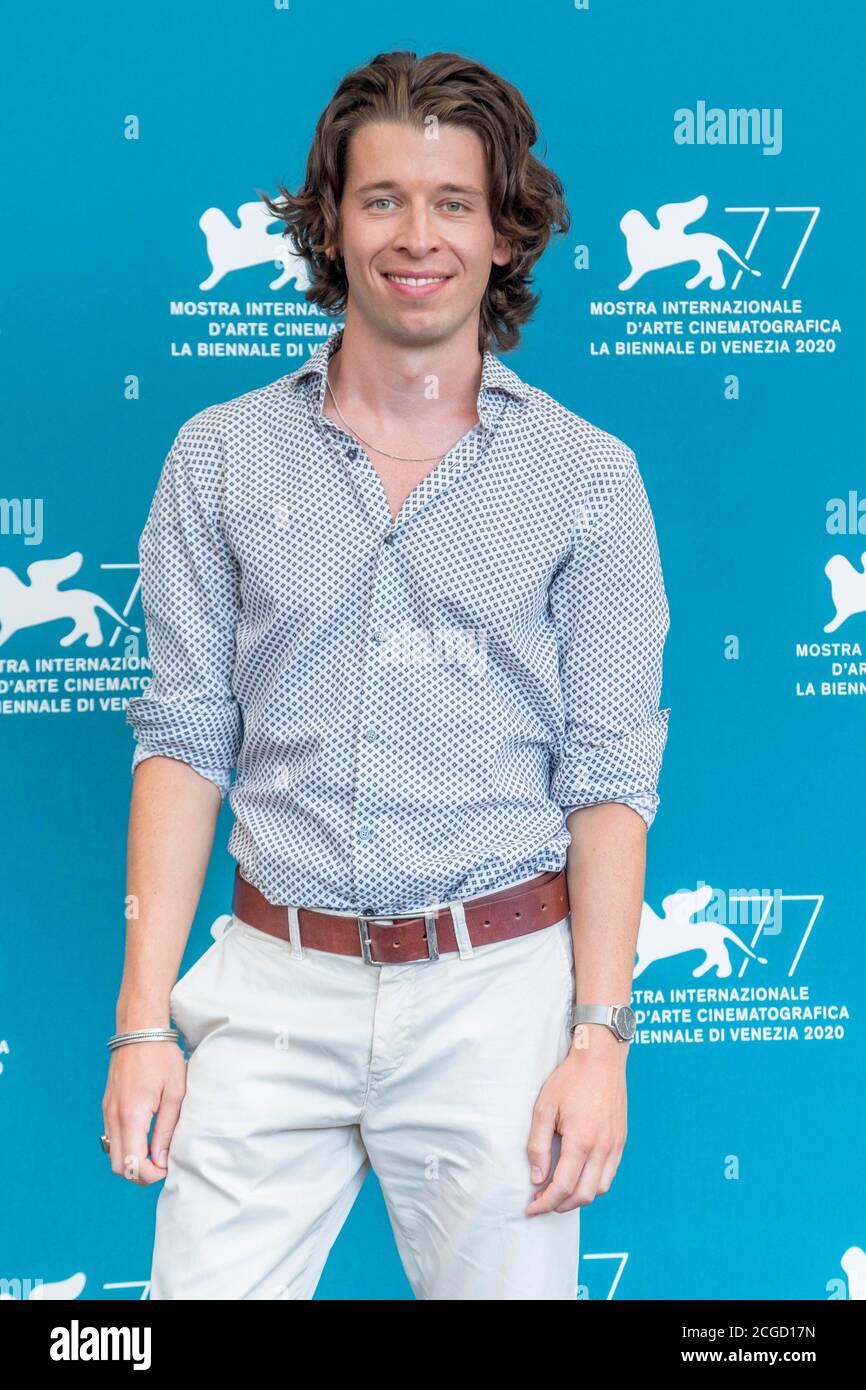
(495, 376)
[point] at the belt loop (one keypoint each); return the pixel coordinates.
(461, 931)
(297, 950)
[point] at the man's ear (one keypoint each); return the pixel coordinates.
(501, 251)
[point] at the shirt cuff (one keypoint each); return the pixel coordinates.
(221, 777)
(624, 769)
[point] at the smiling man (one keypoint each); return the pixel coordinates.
(418, 605)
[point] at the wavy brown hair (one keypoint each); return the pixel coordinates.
(526, 199)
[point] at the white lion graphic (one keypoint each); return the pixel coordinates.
(250, 243)
(656, 248)
(41, 601)
(674, 933)
(847, 589)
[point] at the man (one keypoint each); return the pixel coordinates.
(418, 604)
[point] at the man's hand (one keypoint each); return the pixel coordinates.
(172, 818)
(144, 1079)
(585, 1102)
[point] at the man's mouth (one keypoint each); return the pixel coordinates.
(414, 284)
(415, 279)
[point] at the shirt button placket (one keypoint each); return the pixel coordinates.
(370, 734)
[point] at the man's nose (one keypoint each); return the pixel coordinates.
(416, 233)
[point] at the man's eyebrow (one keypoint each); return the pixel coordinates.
(442, 187)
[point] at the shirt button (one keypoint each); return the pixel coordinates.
(372, 735)
(352, 453)
(389, 539)
(364, 832)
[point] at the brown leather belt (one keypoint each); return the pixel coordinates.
(426, 935)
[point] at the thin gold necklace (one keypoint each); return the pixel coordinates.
(400, 457)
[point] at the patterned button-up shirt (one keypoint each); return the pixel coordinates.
(413, 707)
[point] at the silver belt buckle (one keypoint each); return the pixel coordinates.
(366, 945)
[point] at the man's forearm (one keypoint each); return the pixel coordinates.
(606, 868)
(172, 819)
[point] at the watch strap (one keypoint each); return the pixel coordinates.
(598, 1013)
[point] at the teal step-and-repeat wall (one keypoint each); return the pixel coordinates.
(707, 307)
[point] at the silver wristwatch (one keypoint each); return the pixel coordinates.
(619, 1018)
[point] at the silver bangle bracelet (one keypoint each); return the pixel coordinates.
(143, 1035)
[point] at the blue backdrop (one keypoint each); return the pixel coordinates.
(131, 132)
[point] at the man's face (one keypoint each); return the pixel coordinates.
(414, 209)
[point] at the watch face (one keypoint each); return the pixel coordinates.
(626, 1022)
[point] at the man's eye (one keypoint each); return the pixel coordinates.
(454, 203)
(376, 201)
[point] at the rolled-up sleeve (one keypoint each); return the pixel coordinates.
(190, 600)
(611, 612)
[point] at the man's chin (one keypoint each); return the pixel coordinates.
(417, 330)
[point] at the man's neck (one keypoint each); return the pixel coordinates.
(390, 382)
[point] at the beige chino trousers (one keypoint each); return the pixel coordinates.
(308, 1068)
